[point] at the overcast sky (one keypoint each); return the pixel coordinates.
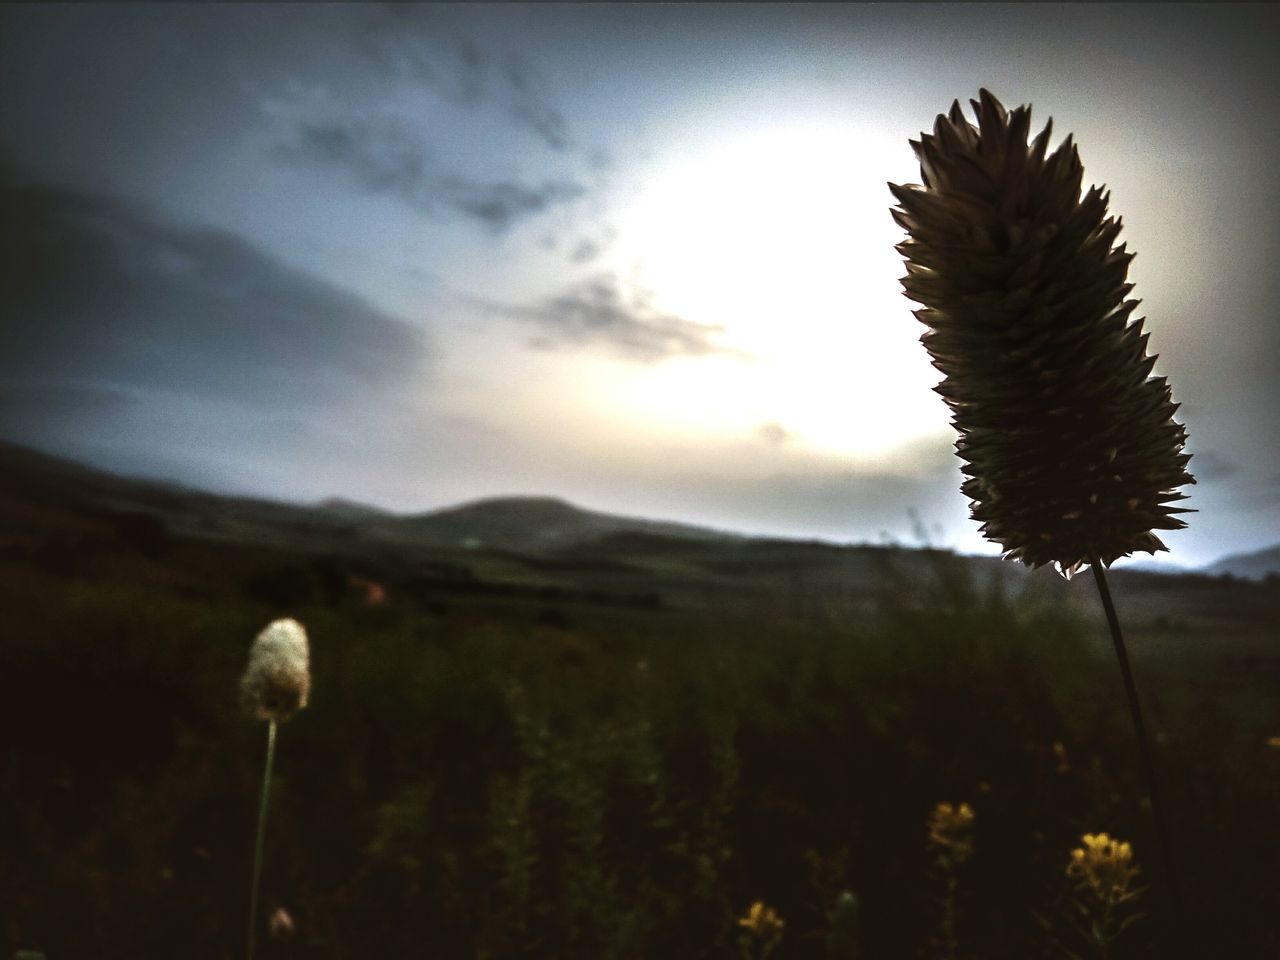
(636, 256)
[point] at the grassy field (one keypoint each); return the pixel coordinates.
(609, 750)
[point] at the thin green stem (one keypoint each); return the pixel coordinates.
(949, 916)
(1144, 749)
(262, 833)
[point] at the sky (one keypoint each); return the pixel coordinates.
(636, 256)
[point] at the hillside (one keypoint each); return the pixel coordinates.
(504, 523)
(536, 549)
(726, 712)
(528, 523)
(1251, 566)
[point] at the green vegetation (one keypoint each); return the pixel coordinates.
(615, 749)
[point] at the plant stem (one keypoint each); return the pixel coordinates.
(1144, 749)
(949, 916)
(262, 832)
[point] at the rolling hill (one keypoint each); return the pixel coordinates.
(534, 544)
(29, 477)
(528, 523)
(1251, 566)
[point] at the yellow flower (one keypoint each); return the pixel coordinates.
(1060, 754)
(1105, 866)
(951, 830)
(761, 921)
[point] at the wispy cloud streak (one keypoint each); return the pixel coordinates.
(385, 156)
(422, 44)
(597, 313)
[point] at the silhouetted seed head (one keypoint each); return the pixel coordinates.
(1069, 444)
(277, 680)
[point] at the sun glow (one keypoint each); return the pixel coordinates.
(782, 237)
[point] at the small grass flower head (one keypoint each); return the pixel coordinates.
(1106, 867)
(951, 830)
(277, 680)
(281, 924)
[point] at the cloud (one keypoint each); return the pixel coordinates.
(798, 493)
(383, 159)
(500, 204)
(588, 248)
(103, 293)
(840, 504)
(774, 434)
(530, 105)
(423, 44)
(597, 313)
(437, 111)
(23, 404)
(584, 251)
(1211, 465)
(384, 156)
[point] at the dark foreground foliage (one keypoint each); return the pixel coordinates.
(488, 777)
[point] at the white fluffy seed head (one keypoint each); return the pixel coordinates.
(277, 680)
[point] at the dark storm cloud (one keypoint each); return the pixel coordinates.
(102, 296)
(425, 44)
(597, 313)
(386, 157)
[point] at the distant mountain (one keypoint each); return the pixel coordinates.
(1251, 566)
(36, 482)
(351, 510)
(1144, 565)
(529, 523)
(546, 550)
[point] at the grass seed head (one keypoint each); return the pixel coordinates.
(1070, 446)
(277, 680)
(281, 924)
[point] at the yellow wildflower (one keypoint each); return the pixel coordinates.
(951, 830)
(761, 921)
(762, 931)
(1060, 754)
(1106, 866)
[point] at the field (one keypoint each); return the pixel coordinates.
(605, 748)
